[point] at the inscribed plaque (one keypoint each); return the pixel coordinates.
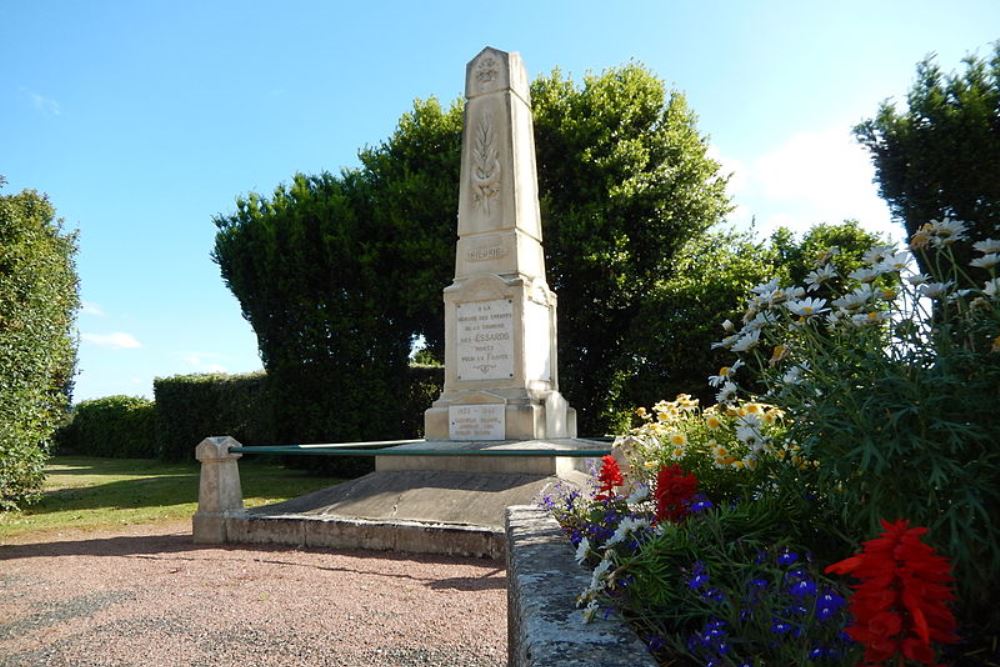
(476, 422)
(485, 340)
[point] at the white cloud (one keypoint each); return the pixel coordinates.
(43, 104)
(811, 177)
(117, 340)
(201, 362)
(91, 308)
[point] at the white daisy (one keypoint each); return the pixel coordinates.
(918, 279)
(727, 393)
(765, 288)
(640, 493)
(992, 288)
(987, 261)
(807, 307)
(948, 231)
(871, 317)
(747, 341)
(627, 526)
(865, 274)
(794, 374)
(987, 246)
(896, 261)
(856, 299)
(816, 278)
(582, 550)
(877, 254)
(935, 290)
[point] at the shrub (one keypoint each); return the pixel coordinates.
(115, 426)
(38, 301)
(890, 385)
(190, 408)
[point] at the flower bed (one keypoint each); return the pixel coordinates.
(823, 522)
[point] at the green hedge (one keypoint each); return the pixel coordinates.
(115, 426)
(190, 408)
(253, 408)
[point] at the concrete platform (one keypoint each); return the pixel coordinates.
(430, 503)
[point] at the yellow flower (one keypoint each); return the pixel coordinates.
(713, 422)
(678, 453)
(773, 415)
(753, 409)
(779, 353)
(678, 439)
(921, 238)
(650, 465)
(996, 344)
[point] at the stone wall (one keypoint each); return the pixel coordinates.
(543, 624)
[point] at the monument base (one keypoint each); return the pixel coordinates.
(418, 504)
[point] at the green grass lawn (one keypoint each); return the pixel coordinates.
(94, 493)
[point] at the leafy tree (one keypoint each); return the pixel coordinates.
(318, 284)
(39, 297)
(713, 273)
(624, 183)
(941, 155)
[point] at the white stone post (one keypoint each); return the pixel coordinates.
(219, 492)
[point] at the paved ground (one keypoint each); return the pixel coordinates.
(146, 596)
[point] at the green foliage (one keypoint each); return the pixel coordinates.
(190, 408)
(423, 388)
(624, 183)
(892, 393)
(339, 274)
(414, 177)
(941, 155)
(319, 283)
(39, 297)
(115, 426)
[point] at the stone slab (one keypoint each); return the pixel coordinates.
(544, 627)
(558, 466)
(434, 497)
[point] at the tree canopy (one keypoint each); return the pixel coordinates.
(624, 183)
(941, 155)
(39, 297)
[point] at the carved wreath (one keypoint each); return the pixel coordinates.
(485, 165)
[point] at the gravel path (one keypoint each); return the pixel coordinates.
(145, 595)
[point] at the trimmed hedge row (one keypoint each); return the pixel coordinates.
(192, 407)
(115, 426)
(250, 407)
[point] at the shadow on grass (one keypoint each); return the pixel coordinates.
(155, 484)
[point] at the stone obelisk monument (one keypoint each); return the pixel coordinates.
(501, 380)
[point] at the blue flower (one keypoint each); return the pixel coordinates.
(828, 604)
(787, 557)
(713, 595)
(802, 588)
(655, 643)
(699, 577)
(699, 503)
(780, 627)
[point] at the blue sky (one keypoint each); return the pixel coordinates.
(142, 120)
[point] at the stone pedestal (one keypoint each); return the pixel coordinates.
(501, 380)
(220, 495)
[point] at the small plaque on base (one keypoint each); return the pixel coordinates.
(477, 422)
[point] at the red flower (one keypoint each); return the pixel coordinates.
(899, 607)
(609, 477)
(674, 491)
